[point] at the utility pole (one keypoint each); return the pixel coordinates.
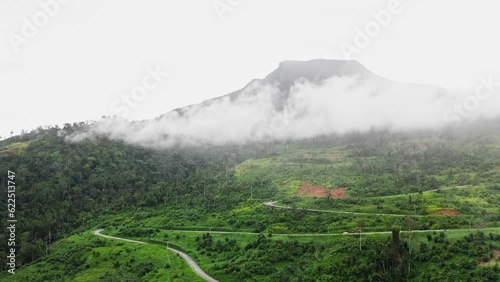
(360, 238)
(409, 252)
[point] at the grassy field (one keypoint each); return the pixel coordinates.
(86, 257)
(14, 147)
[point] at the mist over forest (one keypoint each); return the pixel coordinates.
(304, 99)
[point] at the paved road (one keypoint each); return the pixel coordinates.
(98, 233)
(183, 255)
(273, 205)
(312, 234)
(415, 193)
(193, 265)
(362, 233)
(213, 232)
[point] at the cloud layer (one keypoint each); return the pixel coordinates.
(335, 105)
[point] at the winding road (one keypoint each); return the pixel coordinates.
(196, 268)
(273, 205)
(183, 255)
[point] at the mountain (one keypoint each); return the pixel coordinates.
(300, 100)
(315, 72)
(262, 195)
(292, 71)
(303, 98)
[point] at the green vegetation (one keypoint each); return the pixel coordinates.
(87, 257)
(183, 195)
(396, 257)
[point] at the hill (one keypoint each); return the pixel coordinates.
(68, 188)
(265, 183)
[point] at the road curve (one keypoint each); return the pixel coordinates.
(193, 265)
(98, 233)
(273, 205)
(314, 234)
(183, 255)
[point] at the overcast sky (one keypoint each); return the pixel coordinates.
(77, 61)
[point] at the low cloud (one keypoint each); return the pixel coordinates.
(261, 111)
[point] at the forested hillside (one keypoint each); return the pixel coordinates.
(66, 188)
(62, 185)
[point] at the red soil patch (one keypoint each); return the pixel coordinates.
(311, 190)
(321, 191)
(446, 212)
(338, 193)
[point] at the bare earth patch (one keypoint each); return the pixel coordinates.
(338, 193)
(446, 212)
(494, 260)
(321, 191)
(314, 191)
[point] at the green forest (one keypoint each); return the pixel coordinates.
(362, 206)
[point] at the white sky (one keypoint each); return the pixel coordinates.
(90, 52)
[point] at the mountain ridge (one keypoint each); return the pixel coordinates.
(315, 71)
